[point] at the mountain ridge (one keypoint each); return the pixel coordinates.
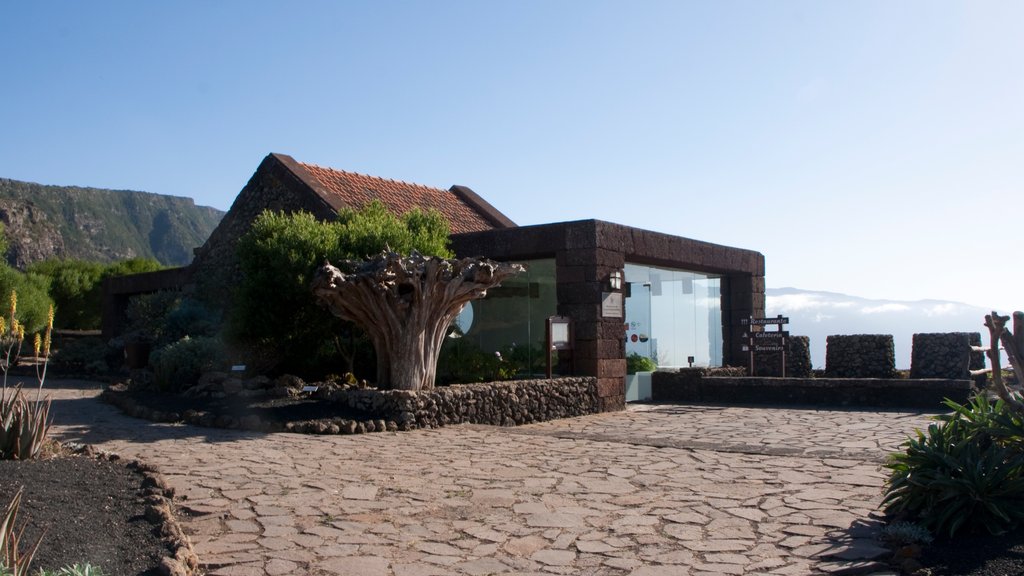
(45, 221)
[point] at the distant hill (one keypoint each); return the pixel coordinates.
(100, 225)
(822, 314)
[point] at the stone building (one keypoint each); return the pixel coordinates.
(622, 289)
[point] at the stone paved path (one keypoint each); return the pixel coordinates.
(655, 490)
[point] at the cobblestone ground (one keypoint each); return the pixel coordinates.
(673, 490)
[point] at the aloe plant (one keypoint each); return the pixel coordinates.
(12, 561)
(24, 426)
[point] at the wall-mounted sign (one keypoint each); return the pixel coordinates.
(611, 304)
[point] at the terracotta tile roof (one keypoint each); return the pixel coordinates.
(341, 189)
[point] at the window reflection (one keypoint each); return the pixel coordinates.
(672, 315)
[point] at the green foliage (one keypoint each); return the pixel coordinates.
(274, 311)
(366, 232)
(637, 363)
(902, 533)
(81, 356)
(33, 301)
(964, 472)
(463, 362)
(165, 228)
(14, 562)
(76, 287)
(162, 318)
(179, 365)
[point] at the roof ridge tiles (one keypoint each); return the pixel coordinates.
(369, 176)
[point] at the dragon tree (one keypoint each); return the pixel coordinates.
(406, 304)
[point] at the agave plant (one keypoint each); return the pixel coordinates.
(12, 561)
(966, 472)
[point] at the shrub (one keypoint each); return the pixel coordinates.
(964, 472)
(76, 287)
(901, 533)
(33, 301)
(82, 356)
(637, 363)
(274, 311)
(463, 362)
(179, 365)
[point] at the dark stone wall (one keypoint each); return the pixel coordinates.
(945, 355)
(860, 356)
(798, 359)
(274, 186)
(878, 393)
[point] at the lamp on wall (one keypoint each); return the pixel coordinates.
(615, 280)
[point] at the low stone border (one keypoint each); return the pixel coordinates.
(852, 392)
(497, 403)
(181, 559)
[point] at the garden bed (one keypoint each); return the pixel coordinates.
(103, 511)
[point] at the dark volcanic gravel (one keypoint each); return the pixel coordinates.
(976, 555)
(87, 510)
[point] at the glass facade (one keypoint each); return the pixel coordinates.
(673, 315)
(510, 323)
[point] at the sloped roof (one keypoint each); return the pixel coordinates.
(464, 210)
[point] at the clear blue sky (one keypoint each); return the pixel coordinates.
(870, 148)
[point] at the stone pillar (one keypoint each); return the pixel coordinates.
(599, 342)
(742, 297)
(860, 356)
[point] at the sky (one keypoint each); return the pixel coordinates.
(867, 148)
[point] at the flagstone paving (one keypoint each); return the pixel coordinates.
(654, 490)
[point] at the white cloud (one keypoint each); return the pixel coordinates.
(890, 307)
(946, 309)
(787, 303)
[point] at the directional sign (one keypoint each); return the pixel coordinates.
(770, 335)
(765, 321)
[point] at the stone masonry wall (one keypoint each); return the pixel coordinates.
(860, 356)
(496, 403)
(798, 359)
(272, 187)
(721, 388)
(945, 355)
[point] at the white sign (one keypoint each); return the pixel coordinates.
(611, 304)
(238, 368)
(310, 388)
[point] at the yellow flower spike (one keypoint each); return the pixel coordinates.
(14, 302)
(37, 344)
(49, 318)
(21, 332)
(46, 344)
(3, 326)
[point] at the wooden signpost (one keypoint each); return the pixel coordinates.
(766, 341)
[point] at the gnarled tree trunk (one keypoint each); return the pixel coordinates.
(1013, 344)
(405, 304)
